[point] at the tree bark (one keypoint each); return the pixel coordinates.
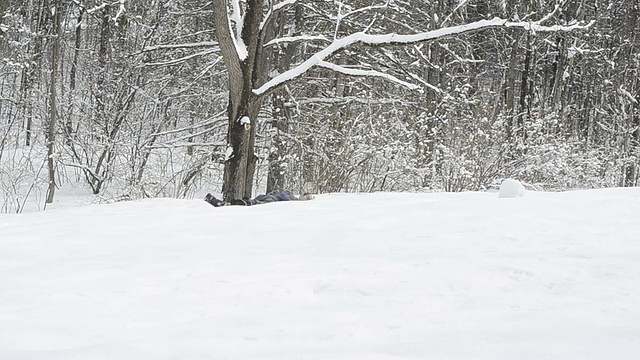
(73, 72)
(51, 138)
(525, 101)
(76, 51)
(282, 115)
(243, 106)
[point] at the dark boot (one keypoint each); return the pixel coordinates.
(213, 201)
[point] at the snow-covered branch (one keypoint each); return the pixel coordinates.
(102, 5)
(237, 18)
(292, 39)
(121, 11)
(343, 15)
(624, 92)
(97, 7)
(181, 46)
(366, 9)
(398, 39)
(209, 123)
(348, 99)
(361, 72)
(180, 60)
(277, 7)
(426, 84)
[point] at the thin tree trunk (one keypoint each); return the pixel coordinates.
(51, 138)
(631, 176)
(73, 73)
(281, 114)
(30, 73)
(76, 51)
(280, 121)
(509, 84)
(524, 92)
(556, 80)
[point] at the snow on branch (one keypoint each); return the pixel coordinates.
(277, 7)
(181, 46)
(95, 8)
(624, 92)
(365, 9)
(426, 84)
(237, 18)
(361, 72)
(180, 60)
(291, 39)
(347, 99)
(398, 39)
(281, 5)
(102, 5)
(121, 11)
(343, 15)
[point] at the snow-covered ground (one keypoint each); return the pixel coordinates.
(367, 277)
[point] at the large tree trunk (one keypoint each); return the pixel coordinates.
(240, 167)
(244, 75)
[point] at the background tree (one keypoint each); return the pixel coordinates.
(56, 22)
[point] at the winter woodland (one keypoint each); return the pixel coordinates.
(145, 98)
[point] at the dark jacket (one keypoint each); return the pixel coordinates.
(273, 197)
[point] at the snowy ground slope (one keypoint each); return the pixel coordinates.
(376, 276)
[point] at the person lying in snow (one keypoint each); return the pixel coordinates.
(260, 199)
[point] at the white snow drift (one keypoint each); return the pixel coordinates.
(379, 276)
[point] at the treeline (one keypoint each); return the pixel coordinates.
(129, 98)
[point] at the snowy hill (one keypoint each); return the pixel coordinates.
(375, 276)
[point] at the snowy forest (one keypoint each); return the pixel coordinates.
(169, 98)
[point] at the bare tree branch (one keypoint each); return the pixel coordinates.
(361, 72)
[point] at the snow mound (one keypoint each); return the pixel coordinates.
(511, 188)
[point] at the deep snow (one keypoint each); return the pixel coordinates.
(375, 276)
